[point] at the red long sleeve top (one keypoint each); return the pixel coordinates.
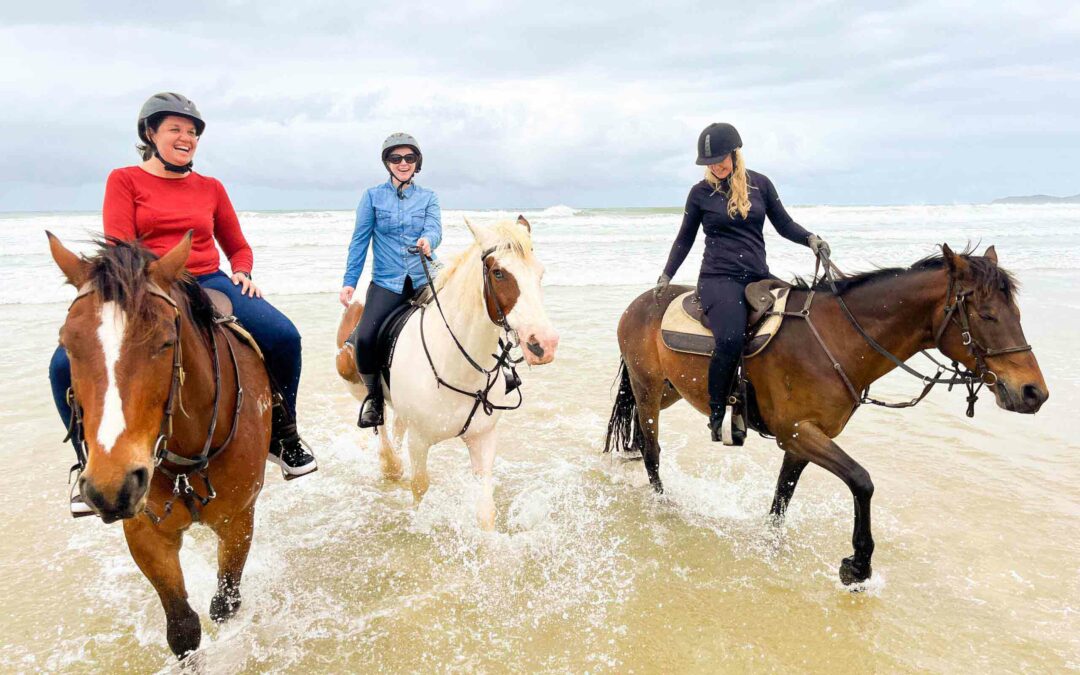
(159, 211)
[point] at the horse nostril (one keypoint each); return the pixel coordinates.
(140, 477)
(536, 349)
(1032, 394)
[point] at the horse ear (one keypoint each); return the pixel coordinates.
(955, 263)
(75, 268)
(521, 221)
(476, 230)
(991, 255)
(167, 268)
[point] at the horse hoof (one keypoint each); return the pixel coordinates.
(183, 632)
(657, 486)
(850, 573)
(223, 607)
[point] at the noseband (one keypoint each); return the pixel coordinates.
(198, 464)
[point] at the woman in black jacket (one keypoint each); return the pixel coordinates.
(731, 205)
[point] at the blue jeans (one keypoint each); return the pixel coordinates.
(272, 330)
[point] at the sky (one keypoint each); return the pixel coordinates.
(533, 104)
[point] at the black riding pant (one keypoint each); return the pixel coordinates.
(724, 301)
(379, 304)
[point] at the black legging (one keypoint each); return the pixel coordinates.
(724, 301)
(379, 304)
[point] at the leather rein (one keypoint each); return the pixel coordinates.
(185, 466)
(956, 312)
(505, 365)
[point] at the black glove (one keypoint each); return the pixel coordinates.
(818, 245)
(661, 286)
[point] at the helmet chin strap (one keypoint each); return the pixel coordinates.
(174, 168)
(401, 184)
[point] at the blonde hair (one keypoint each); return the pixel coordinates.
(738, 195)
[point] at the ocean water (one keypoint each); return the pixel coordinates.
(975, 520)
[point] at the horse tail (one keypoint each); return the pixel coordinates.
(623, 430)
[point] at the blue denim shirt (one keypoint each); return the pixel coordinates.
(391, 225)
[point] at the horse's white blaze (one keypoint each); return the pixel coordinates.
(111, 336)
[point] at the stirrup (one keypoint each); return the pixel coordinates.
(373, 414)
(733, 431)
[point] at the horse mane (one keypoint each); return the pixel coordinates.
(508, 233)
(987, 276)
(118, 272)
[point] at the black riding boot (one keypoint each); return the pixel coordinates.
(287, 449)
(371, 411)
(716, 421)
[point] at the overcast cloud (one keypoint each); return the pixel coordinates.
(526, 104)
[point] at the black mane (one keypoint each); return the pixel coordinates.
(119, 273)
(987, 276)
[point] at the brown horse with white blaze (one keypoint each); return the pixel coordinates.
(143, 344)
(964, 305)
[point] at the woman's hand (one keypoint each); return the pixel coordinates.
(346, 295)
(247, 286)
(424, 245)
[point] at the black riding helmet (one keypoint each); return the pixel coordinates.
(168, 103)
(716, 142)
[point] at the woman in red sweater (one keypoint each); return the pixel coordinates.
(157, 202)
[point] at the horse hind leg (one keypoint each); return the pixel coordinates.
(157, 554)
(813, 444)
(649, 398)
(234, 542)
(790, 471)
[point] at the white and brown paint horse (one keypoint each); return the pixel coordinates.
(497, 276)
(142, 343)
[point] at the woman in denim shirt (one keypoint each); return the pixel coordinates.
(391, 217)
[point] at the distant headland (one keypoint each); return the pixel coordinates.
(1038, 199)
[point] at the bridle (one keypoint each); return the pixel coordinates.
(187, 466)
(956, 313)
(505, 365)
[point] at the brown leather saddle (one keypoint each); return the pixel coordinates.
(223, 315)
(685, 328)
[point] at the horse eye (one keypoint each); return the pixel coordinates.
(987, 317)
(165, 346)
(498, 274)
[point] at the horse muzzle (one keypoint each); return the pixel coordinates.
(540, 346)
(124, 501)
(1026, 399)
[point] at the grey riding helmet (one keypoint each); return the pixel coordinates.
(169, 103)
(396, 141)
(716, 142)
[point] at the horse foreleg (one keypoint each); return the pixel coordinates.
(790, 471)
(389, 460)
(418, 453)
(234, 542)
(482, 455)
(157, 554)
(809, 442)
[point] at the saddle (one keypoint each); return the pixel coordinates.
(685, 328)
(223, 316)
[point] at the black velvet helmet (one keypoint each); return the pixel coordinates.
(717, 141)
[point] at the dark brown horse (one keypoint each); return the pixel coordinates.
(962, 304)
(143, 345)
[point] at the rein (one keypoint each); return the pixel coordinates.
(504, 364)
(181, 478)
(956, 312)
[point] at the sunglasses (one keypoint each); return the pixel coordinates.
(398, 159)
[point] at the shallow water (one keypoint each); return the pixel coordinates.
(975, 520)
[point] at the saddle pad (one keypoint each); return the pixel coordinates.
(683, 333)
